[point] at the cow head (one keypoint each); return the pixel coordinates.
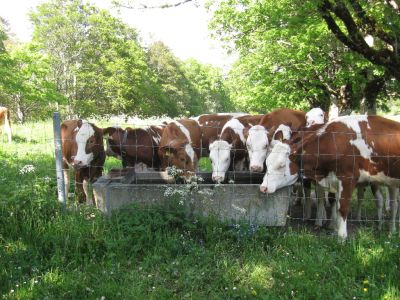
(220, 156)
(280, 170)
(178, 153)
(315, 116)
(257, 143)
(114, 136)
(89, 142)
(282, 133)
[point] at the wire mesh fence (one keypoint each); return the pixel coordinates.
(28, 170)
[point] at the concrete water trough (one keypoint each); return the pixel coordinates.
(237, 201)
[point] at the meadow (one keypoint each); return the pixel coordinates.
(47, 253)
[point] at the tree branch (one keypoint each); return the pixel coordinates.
(394, 4)
(144, 6)
(354, 38)
(369, 25)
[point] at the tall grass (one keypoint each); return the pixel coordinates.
(153, 254)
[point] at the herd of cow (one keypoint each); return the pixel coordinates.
(288, 145)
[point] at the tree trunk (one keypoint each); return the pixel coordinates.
(346, 101)
(371, 92)
(20, 113)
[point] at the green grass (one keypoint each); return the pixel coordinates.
(153, 254)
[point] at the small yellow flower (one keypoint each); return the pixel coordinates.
(365, 290)
(366, 281)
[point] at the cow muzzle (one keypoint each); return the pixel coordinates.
(256, 169)
(263, 189)
(78, 164)
(218, 179)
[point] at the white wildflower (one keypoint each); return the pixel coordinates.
(27, 169)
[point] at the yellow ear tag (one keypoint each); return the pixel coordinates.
(168, 153)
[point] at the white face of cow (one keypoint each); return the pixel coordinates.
(257, 144)
(315, 116)
(286, 132)
(220, 155)
(85, 132)
(278, 169)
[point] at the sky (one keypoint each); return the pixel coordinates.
(184, 29)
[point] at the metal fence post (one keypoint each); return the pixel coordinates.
(59, 164)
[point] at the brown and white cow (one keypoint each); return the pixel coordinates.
(211, 126)
(180, 146)
(5, 122)
(343, 153)
(259, 136)
(135, 146)
(83, 150)
(229, 151)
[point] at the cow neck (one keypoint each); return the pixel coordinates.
(123, 145)
(98, 162)
(228, 136)
(306, 134)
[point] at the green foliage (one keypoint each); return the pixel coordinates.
(99, 66)
(212, 95)
(32, 93)
(189, 87)
(287, 56)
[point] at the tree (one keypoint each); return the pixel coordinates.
(352, 21)
(133, 4)
(209, 83)
(6, 74)
(96, 60)
(32, 95)
(180, 92)
(288, 57)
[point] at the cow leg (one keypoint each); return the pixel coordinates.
(79, 191)
(379, 203)
(333, 217)
(360, 198)
(297, 194)
(89, 199)
(343, 204)
(387, 200)
(7, 128)
(394, 194)
(321, 212)
(66, 179)
(306, 193)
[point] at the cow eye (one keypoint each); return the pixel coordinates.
(91, 141)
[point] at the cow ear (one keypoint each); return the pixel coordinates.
(109, 131)
(278, 136)
(270, 132)
(246, 132)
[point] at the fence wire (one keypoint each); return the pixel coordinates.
(28, 164)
